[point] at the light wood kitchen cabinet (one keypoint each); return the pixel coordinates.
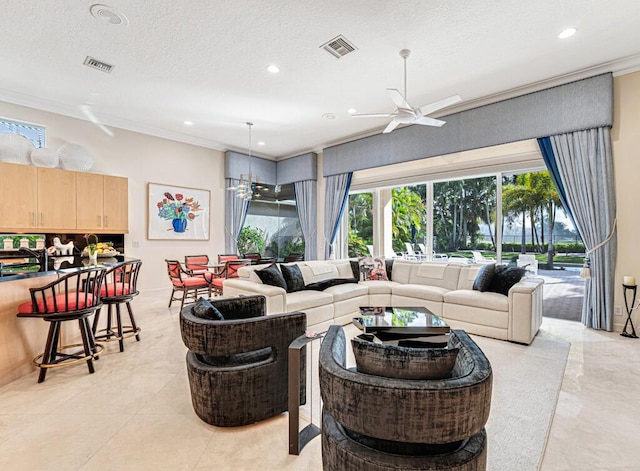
(19, 190)
(103, 203)
(56, 199)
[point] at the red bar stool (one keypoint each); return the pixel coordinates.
(75, 296)
(119, 287)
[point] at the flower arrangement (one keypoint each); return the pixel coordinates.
(178, 209)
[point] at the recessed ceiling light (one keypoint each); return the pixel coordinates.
(567, 33)
(273, 69)
(329, 116)
(188, 123)
(260, 143)
(351, 110)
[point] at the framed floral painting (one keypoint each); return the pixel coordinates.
(177, 213)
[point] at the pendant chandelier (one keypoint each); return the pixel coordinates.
(249, 184)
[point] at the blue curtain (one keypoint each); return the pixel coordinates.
(585, 168)
(336, 194)
(546, 148)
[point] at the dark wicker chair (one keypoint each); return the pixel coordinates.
(376, 423)
(238, 367)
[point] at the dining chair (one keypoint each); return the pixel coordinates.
(196, 264)
(293, 257)
(227, 256)
(183, 282)
(230, 271)
(253, 256)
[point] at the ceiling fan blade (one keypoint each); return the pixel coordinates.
(438, 105)
(390, 127)
(398, 99)
(91, 117)
(426, 121)
(373, 115)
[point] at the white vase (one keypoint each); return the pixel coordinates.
(93, 258)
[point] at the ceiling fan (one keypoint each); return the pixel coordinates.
(404, 112)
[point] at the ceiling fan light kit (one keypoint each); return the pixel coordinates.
(404, 113)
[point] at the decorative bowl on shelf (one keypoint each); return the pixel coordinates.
(103, 254)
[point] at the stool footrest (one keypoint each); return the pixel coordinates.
(68, 358)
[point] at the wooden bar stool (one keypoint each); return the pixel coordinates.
(119, 287)
(75, 296)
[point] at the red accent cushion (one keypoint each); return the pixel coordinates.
(114, 289)
(197, 263)
(217, 282)
(194, 281)
(27, 308)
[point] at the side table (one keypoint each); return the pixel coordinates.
(299, 438)
(633, 289)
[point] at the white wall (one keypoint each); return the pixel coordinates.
(142, 159)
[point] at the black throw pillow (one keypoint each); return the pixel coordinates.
(505, 278)
(205, 310)
(324, 284)
(293, 277)
(388, 264)
(272, 276)
(484, 277)
(355, 268)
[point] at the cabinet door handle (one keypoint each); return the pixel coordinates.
(99, 220)
(106, 221)
(42, 219)
(33, 218)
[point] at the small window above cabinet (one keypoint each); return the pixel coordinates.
(102, 203)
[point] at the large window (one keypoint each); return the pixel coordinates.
(272, 227)
(409, 219)
(360, 222)
(465, 217)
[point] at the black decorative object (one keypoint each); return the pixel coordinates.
(634, 291)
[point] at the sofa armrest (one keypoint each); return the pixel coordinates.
(525, 310)
(276, 297)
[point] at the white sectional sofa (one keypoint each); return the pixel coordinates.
(444, 289)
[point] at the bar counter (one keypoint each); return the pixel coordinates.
(21, 340)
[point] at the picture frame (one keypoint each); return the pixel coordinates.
(177, 212)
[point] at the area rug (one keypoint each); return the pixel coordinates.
(526, 384)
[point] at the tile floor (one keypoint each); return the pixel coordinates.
(135, 411)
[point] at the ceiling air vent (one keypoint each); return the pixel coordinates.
(339, 47)
(99, 65)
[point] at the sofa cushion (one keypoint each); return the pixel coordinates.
(474, 298)
(272, 276)
(203, 309)
(380, 287)
(484, 277)
(505, 277)
(346, 291)
(403, 362)
(435, 274)
(426, 292)
(314, 271)
(301, 300)
(373, 268)
(293, 277)
(324, 284)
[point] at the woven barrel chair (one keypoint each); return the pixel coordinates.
(377, 423)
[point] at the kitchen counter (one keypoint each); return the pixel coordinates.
(22, 339)
(55, 265)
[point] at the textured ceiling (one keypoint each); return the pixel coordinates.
(205, 61)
